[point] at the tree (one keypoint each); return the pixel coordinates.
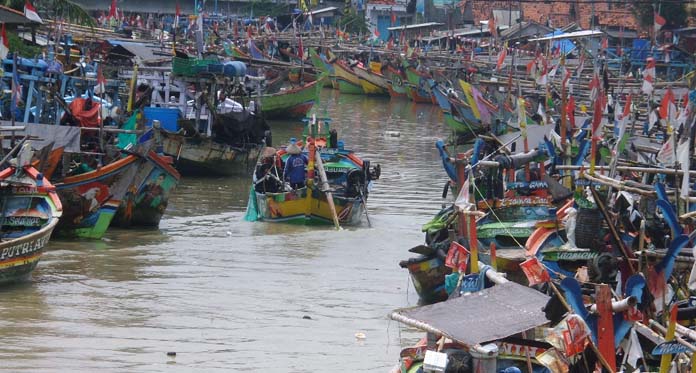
(353, 23)
(67, 9)
(674, 12)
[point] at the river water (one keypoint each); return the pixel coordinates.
(229, 295)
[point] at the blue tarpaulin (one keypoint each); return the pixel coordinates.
(566, 45)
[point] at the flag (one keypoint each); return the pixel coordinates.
(542, 113)
(303, 6)
(178, 14)
(390, 42)
(594, 87)
(633, 350)
(4, 44)
(16, 90)
(501, 58)
(566, 78)
(457, 257)
(522, 116)
(113, 12)
(581, 65)
(659, 22)
(605, 43)
(623, 123)
(491, 27)
(598, 112)
(393, 18)
(30, 12)
(666, 154)
(570, 111)
(684, 160)
(100, 88)
(668, 108)
(376, 33)
(535, 271)
(462, 202)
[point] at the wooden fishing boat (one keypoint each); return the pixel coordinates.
(418, 90)
(292, 103)
(371, 82)
(31, 209)
(323, 66)
(298, 74)
(205, 156)
(149, 192)
(339, 196)
(92, 198)
(397, 86)
(347, 81)
(457, 114)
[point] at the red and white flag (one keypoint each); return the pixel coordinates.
(668, 107)
(100, 88)
(501, 58)
(594, 87)
(30, 12)
(648, 76)
(113, 11)
(570, 111)
(491, 27)
(659, 22)
(4, 44)
(178, 13)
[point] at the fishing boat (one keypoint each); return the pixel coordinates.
(372, 83)
(224, 139)
(91, 198)
(418, 90)
(346, 79)
(337, 195)
(323, 66)
(293, 103)
(397, 86)
(148, 194)
(31, 209)
(459, 116)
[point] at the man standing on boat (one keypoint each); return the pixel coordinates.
(294, 171)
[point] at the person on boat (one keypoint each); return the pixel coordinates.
(294, 171)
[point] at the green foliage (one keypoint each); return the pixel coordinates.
(353, 23)
(67, 9)
(262, 8)
(674, 12)
(18, 46)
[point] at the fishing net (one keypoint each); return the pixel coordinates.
(252, 210)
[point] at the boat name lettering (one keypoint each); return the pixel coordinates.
(24, 248)
(512, 349)
(534, 185)
(337, 169)
(523, 201)
(583, 255)
(24, 190)
(22, 220)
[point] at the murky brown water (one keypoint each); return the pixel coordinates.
(228, 295)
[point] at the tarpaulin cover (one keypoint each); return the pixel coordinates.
(494, 313)
(44, 134)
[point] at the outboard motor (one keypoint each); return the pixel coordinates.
(355, 181)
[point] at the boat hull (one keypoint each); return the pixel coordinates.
(291, 104)
(91, 199)
(203, 156)
(371, 82)
(347, 81)
(308, 206)
(428, 277)
(31, 211)
(148, 195)
(17, 267)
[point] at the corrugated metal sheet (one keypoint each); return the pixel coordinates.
(489, 315)
(136, 49)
